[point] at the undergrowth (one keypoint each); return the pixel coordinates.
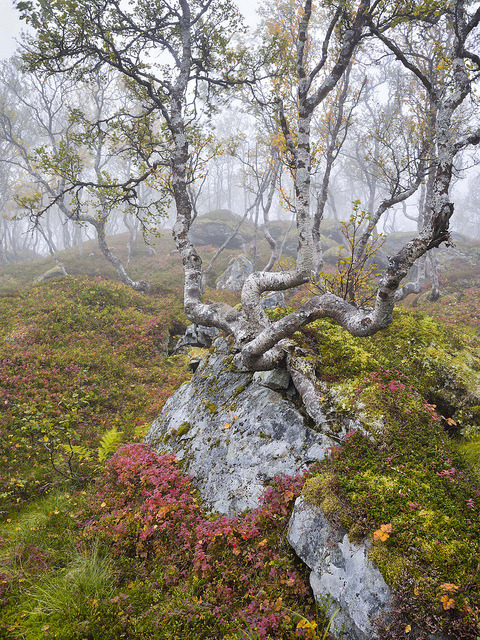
(104, 547)
(400, 483)
(139, 558)
(78, 357)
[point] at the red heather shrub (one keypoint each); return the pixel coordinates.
(145, 507)
(144, 497)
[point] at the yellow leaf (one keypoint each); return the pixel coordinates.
(416, 591)
(303, 624)
(408, 628)
(263, 542)
(227, 426)
(130, 585)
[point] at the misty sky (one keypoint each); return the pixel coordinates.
(10, 25)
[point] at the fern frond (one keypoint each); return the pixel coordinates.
(109, 443)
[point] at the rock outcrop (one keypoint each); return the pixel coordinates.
(234, 433)
(196, 336)
(215, 227)
(235, 274)
(55, 272)
(342, 575)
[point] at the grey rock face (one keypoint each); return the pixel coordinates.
(235, 274)
(278, 380)
(342, 575)
(274, 300)
(234, 435)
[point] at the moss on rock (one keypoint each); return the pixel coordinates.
(403, 486)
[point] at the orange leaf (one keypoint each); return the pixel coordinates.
(447, 602)
(380, 535)
(449, 587)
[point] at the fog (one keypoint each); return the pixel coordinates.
(371, 155)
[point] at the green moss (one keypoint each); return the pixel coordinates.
(391, 564)
(441, 363)
(211, 407)
(471, 452)
(316, 487)
(183, 428)
(238, 391)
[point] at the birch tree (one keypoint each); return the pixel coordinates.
(49, 146)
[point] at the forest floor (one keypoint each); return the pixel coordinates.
(102, 538)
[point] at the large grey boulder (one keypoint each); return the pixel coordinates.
(342, 575)
(55, 272)
(216, 227)
(233, 434)
(235, 274)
